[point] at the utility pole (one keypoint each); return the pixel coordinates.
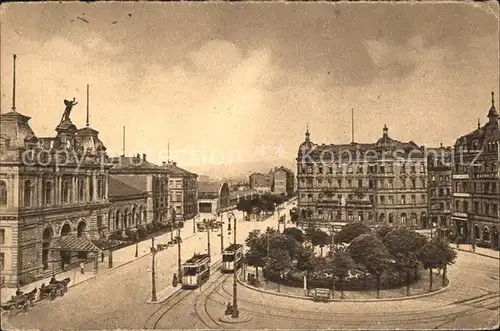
(194, 224)
(235, 312)
(179, 264)
(221, 237)
(207, 226)
(153, 280)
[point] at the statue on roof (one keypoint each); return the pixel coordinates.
(69, 105)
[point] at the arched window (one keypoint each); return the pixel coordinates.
(476, 232)
(47, 192)
(381, 217)
(66, 192)
(91, 188)
(27, 193)
(403, 218)
(413, 218)
(125, 219)
(3, 193)
(391, 218)
(117, 220)
(81, 229)
(132, 216)
(110, 217)
(66, 229)
(99, 188)
(486, 234)
(360, 216)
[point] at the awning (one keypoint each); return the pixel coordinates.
(79, 244)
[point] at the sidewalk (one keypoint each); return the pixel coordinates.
(121, 257)
(479, 251)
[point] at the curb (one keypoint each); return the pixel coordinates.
(411, 297)
(117, 267)
(481, 254)
(238, 320)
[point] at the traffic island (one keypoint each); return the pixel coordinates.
(418, 289)
(234, 320)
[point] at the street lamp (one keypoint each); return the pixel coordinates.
(153, 280)
(194, 222)
(179, 265)
(235, 311)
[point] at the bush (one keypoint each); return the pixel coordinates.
(142, 232)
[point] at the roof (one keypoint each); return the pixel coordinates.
(133, 163)
(197, 258)
(173, 169)
(137, 181)
(81, 244)
(209, 187)
(233, 247)
(117, 188)
(384, 143)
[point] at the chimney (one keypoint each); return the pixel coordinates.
(143, 157)
(164, 163)
(174, 163)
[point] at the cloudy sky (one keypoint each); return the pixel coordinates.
(241, 81)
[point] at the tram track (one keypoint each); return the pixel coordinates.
(154, 318)
(205, 296)
(406, 316)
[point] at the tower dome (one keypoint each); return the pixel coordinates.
(385, 140)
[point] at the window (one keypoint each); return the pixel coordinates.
(349, 169)
(27, 193)
(360, 183)
(360, 169)
(441, 192)
(2, 236)
(403, 183)
(339, 183)
(413, 199)
(91, 188)
(391, 183)
(47, 193)
(404, 218)
(2, 260)
(330, 169)
(371, 184)
(422, 168)
(403, 199)
(178, 197)
(66, 192)
(413, 183)
(422, 197)
(413, 169)
(476, 207)
(320, 169)
(382, 199)
(3, 193)
(382, 169)
(81, 189)
(457, 187)
(391, 199)
(349, 183)
(389, 168)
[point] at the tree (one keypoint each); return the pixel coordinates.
(256, 253)
(384, 230)
(279, 262)
(244, 206)
(306, 261)
(295, 233)
(342, 263)
(446, 255)
(404, 246)
(429, 256)
(319, 238)
(369, 251)
(351, 231)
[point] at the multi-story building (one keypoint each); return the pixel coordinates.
(260, 182)
(183, 191)
(144, 176)
(439, 167)
(53, 196)
(476, 183)
(381, 182)
(282, 181)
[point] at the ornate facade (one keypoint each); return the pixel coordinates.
(382, 182)
(476, 183)
(49, 188)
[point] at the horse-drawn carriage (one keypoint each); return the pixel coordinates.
(19, 302)
(54, 289)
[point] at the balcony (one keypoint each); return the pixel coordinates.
(461, 176)
(461, 195)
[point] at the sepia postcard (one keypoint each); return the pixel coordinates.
(185, 165)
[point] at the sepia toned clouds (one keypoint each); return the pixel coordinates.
(235, 77)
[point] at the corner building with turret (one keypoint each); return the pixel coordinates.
(374, 183)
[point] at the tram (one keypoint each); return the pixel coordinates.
(232, 258)
(195, 271)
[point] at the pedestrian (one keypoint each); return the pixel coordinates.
(82, 268)
(102, 256)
